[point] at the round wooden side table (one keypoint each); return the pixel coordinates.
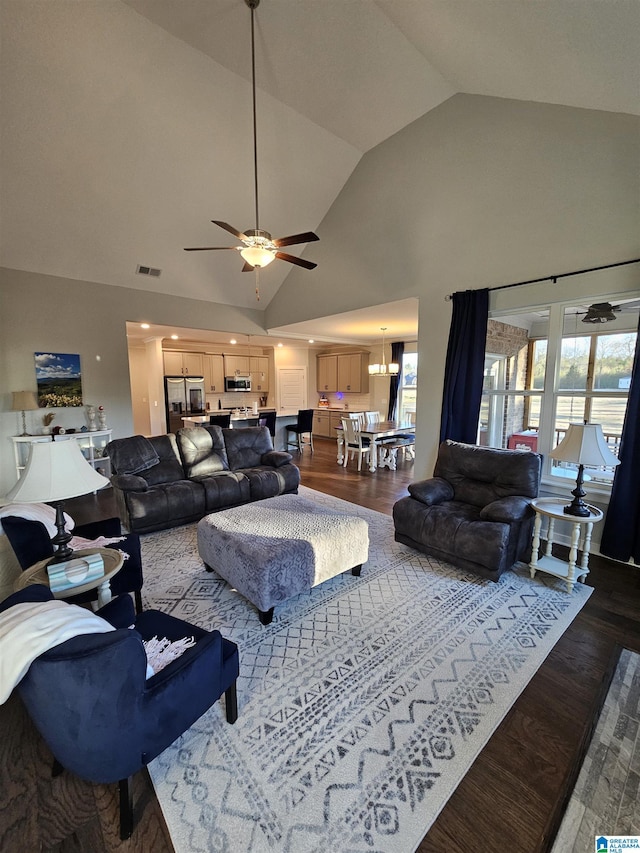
(112, 560)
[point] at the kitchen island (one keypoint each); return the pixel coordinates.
(240, 419)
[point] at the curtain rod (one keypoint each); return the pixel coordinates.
(554, 278)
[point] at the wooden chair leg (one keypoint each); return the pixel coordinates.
(138, 599)
(126, 808)
(231, 703)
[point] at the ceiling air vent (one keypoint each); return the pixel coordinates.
(148, 271)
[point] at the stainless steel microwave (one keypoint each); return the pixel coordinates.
(237, 383)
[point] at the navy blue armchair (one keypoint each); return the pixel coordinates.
(31, 543)
(91, 702)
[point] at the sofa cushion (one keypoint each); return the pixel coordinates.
(169, 468)
(269, 482)
(202, 451)
(165, 505)
(480, 475)
(432, 491)
(225, 489)
(246, 447)
(451, 530)
(276, 458)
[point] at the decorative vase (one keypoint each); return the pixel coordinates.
(102, 418)
(91, 418)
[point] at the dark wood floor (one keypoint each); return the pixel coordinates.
(512, 798)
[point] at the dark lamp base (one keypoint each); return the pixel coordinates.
(577, 508)
(62, 538)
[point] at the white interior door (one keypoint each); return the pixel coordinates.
(292, 389)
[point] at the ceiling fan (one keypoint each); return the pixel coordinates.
(259, 247)
(604, 312)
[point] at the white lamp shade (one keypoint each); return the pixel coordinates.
(584, 444)
(56, 470)
(257, 256)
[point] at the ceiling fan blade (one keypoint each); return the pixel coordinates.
(210, 248)
(230, 229)
(306, 237)
(308, 265)
(247, 267)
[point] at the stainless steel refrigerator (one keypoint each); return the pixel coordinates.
(184, 396)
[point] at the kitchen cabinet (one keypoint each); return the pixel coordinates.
(236, 364)
(213, 374)
(322, 423)
(343, 372)
(350, 373)
(325, 421)
(327, 371)
(183, 363)
(259, 371)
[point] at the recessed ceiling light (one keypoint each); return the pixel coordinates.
(174, 337)
(233, 341)
(311, 341)
(145, 326)
(280, 344)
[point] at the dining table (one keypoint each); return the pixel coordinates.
(380, 433)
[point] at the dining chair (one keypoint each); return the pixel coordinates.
(223, 421)
(268, 419)
(354, 441)
(302, 427)
(373, 416)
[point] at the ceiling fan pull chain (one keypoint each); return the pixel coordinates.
(257, 269)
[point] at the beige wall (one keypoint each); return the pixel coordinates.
(477, 193)
(40, 313)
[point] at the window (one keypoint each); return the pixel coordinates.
(408, 386)
(537, 383)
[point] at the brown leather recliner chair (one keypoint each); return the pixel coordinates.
(475, 512)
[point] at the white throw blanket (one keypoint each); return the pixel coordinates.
(47, 515)
(30, 629)
(35, 512)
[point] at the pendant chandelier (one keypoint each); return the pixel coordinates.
(384, 369)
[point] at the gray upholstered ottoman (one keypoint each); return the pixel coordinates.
(273, 549)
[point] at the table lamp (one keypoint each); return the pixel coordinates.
(583, 444)
(24, 401)
(56, 471)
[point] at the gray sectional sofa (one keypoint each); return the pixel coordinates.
(170, 480)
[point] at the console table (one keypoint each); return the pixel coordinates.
(91, 444)
(552, 509)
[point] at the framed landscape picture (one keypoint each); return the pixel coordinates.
(59, 380)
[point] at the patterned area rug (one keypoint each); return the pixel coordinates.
(605, 799)
(361, 706)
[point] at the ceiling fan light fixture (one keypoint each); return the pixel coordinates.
(257, 256)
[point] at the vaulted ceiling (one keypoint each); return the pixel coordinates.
(127, 123)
